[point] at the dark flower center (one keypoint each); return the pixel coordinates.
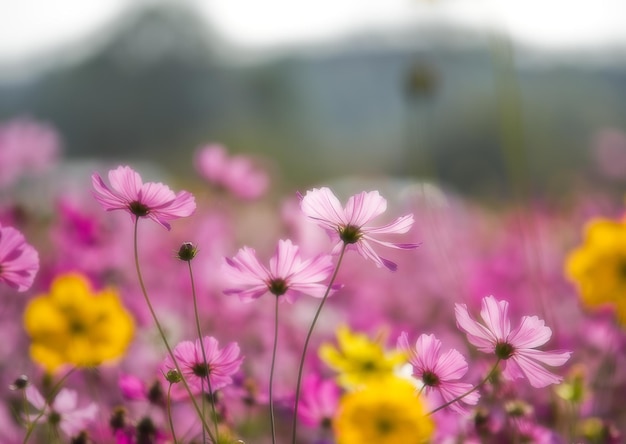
(201, 370)
(54, 418)
(504, 350)
(278, 286)
(430, 379)
(155, 393)
(384, 426)
(350, 234)
(138, 209)
(368, 366)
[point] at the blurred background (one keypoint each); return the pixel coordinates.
(480, 95)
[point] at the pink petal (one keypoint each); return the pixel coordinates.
(537, 375)
(552, 358)
(532, 332)
(284, 260)
(398, 226)
(126, 181)
(477, 334)
(35, 398)
(65, 401)
(451, 366)
(363, 207)
(322, 206)
(496, 317)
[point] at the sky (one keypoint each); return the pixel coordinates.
(31, 28)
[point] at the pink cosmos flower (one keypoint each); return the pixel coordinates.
(319, 401)
(27, 147)
(287, 274)
(63, 411)
(515, 347)
(151, 199)
(19, 261)
(219, 368)
(236, 174)
(439, 371)
(350, 224)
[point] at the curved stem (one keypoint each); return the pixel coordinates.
(204, 361)
(472, 390)
(53, 392)
(169, 412)
(306, 342)
(217, 433)
(271, 389)
(162, 334)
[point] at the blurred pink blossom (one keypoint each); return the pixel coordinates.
(19, 261)
(439, 372)
(65, 405)
(349, 225)
(236, 174)
(26, 147)
(287, 274)
(151, 199)
(220, 366)
(319, 401)
(516, 348)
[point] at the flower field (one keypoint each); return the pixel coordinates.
(142, 308)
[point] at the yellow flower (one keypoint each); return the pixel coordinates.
(598, 266)
(358, 360)
(387, 411)
(73, 325)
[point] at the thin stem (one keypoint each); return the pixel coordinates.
(472, 390)
(306, 342)
(53, 392)
(204, 361)
(271, 389)
(217, 433)
(169, 413)
(162, 334)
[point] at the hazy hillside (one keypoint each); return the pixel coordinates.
(157, 88)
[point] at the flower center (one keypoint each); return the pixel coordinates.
(54, 418)
(277, 287)
(430, 379)
(138, 209)
(201, 370)
(504, 350)
(350, 234)
(384, 426)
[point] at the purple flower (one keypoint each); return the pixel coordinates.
(319, 401)
(63, 410)
(151, 199)
(515, 347)
(438, 371)
(236, 174)
(27, 147)
(19, 261)
(287, 274)
(220, 366)
(350, 224)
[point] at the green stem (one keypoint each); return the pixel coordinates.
(306, 342)
(472, 390)
(200, 338)
(271, 389)
(213, 407)
(53, 392)
(162, 334)
(169, 412)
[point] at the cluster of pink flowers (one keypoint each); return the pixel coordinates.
(205, 366)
